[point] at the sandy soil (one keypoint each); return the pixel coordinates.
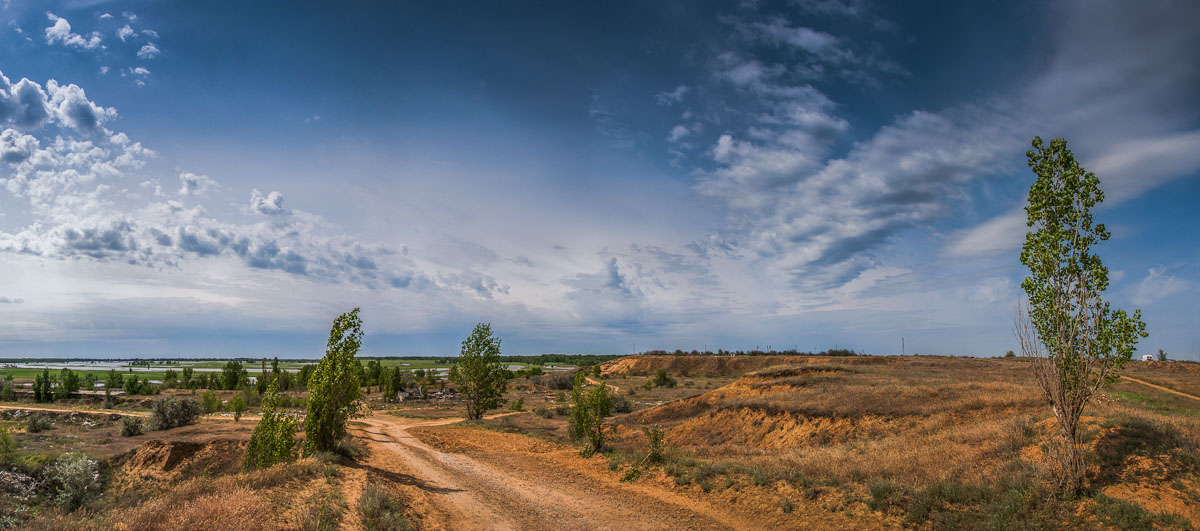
(519, 483)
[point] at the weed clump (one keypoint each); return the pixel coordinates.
(73, 478)
(380, 511)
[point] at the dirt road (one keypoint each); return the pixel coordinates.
(1161, 388)
(534, 487)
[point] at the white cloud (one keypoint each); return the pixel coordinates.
(150, 33)
(72, 108)
(1000, 234)
(991, 291)
(105, 16)
(148, 51)
(1156, 286)
(130, 16)
(60, 32)
(270, 204)
(124, 32)
(678, 133)
(139, 71)
(191, 184)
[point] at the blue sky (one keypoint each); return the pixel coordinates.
(224, 178)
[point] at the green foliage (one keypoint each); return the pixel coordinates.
(234, 376)
(1010, 354)
(517, 405)
(620, 404)
(656, 437)
(1162, 355)
(114, 381)
(131, 426)
(631, 475)
(7, 394)
(334, 393)
(661, 379)
(209, 402)
(274, 439)
(43, 387)
(238, 406)
(544, 412)
(73, 478)
(172, 412)
(8, 447)
(1066, 278)
(478, 375)
(381, 511)
(38, 423)
(68, 383)
(591, 405)
(1078, 341)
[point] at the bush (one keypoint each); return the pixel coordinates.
(210, 402)
(562, 410)
(592, 404)
(620, 404)
(517, 405)
(237, 406)
(662, 379)
(172, 412)
(544, 412)
(73, 478)
(38, 423)
(655, 436)
(274, 439)
(131, 427)
(561, 380)
(380, 511)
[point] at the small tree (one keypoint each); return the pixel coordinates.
(7, 394)
(478, 373)
(591, 405)
(210, 402)
(233, 375)
(334, 395)
(274, 439)
(238, 406)
(1075, 342)
(1162, 355)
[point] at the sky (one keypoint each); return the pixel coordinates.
(224, 178)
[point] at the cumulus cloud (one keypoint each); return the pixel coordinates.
(191, 184)
(60, 32)
(73, 109)
(124, 32)
(17, 147)
(270, 204)
(24, 104)
(1157, 285)
(148, 51)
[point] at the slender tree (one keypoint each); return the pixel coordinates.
(478, 373)
(1075, 342)
(334, 395)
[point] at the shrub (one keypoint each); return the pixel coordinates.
(592, 404)
(544, 412)
(655, 436)
(172, 412)
(210, 402)
(662, 379)
(631, 475)
(517, 405)
(73, 478)
(38, 423)
(274, 439)
(620, 404)
(237, 406)
(562, 410)
(6, 394)
(380, 511)
(559, 380)
(131, 426)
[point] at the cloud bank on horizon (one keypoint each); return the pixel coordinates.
(587, 179)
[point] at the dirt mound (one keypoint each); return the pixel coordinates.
(722, 365)
(168, 461)
(764, 429)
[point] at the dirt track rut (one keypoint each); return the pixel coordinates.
(526, 492)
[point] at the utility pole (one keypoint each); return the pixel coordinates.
(902, 346)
